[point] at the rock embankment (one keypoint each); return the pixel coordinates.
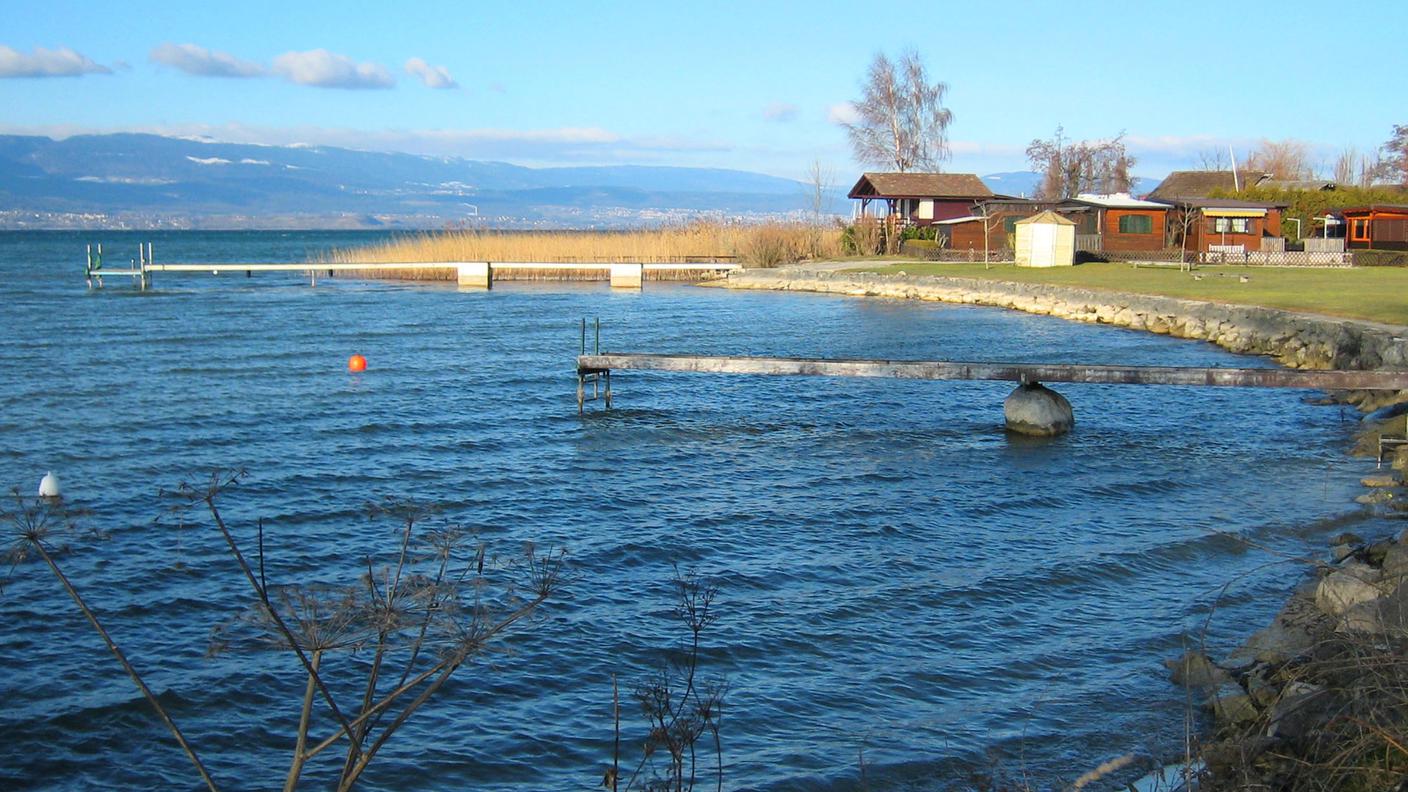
(1294, 340)
(1319, 698)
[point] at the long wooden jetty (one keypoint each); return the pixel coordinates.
(1014, 372)
(471, 274)
(597, 368)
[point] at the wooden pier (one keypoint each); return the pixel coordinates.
(1013, 372)
(469, 274)
(598, 367)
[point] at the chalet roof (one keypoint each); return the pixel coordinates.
(1200, 184)
(1116, 201)
(1393, 208)
(1047, 217)
(920, 185)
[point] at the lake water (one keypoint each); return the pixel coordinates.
(898, 579)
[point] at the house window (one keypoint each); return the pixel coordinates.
(1359, 230)
(1231, 225)
(1009, 224)
(1136, 224)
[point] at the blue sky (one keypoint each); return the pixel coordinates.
(754, 86)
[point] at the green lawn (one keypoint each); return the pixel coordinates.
(1378, 294)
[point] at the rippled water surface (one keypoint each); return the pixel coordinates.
(899, 580)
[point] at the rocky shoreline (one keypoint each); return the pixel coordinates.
(1318, 699)
(1292, 339)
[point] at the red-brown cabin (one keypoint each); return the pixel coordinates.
(1378, 227)
(921, 198)
(1118, 223)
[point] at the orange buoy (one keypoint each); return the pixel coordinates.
(356, 364)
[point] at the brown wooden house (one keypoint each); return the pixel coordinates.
(1212, 224)
(997, 218)
(920, 198)
(1118, 223)
(1378, 227)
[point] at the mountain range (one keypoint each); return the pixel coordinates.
(146, 181)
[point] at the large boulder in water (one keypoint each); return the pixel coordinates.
(1034, 409)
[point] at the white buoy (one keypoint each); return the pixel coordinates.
(49, 486)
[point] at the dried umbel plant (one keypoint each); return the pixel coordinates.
(434, 604)
(39, 528)
(683, 710)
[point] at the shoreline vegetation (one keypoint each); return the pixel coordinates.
(758, 245)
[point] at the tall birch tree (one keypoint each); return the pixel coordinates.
(901, 121)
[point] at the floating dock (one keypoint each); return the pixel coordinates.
(469, 274)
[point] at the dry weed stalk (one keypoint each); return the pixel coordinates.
(440, 602)
(423, 616)
(680, 708)
(38, 525)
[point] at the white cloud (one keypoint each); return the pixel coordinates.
(202, 62)
(144, 182)
(843, 113)
(208, 160)
(323, 69)
(432, 76)
(62, 62)
(248, 161)
(781, 111)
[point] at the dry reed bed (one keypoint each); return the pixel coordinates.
(547, 272)
(764, 245)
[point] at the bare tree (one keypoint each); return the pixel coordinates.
(1213, 159)
(991, 222)
(1393, 162)
(1070, 168)
(1370, 166)
(1188, 219)
(901, 119)
(1283, 159)
(1347, 165)
(820, 181)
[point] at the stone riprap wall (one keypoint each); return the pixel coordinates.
(1294, 340)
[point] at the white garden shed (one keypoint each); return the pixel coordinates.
(1045, 240)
